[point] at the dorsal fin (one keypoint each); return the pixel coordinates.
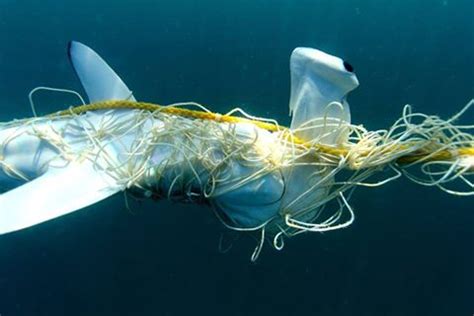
(318, 79)
(99, 80)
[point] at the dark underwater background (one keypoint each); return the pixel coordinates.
(410, 250)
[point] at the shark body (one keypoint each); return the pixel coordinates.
(46, 165)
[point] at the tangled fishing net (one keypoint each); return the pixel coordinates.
(201, 146)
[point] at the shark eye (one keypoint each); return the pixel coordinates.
(348, 66)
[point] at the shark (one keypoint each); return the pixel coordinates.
(46, 171)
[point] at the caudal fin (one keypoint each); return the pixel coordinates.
(58, 192)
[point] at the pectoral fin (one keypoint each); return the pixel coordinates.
(58, 192)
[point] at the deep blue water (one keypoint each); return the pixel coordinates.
(410, 251)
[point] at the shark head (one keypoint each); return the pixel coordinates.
(317, 80)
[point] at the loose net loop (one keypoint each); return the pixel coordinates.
(35, 90)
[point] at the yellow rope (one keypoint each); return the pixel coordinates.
(201, 115)
(443, 155)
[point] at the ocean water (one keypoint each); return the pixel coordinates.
(410, 250)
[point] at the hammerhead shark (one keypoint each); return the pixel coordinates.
(46, 176)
